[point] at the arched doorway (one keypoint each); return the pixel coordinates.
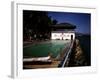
(71, 37)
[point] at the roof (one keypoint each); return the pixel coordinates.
(63, 26)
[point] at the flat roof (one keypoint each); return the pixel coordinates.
(63, 26)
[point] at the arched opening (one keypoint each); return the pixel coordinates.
(71, 37)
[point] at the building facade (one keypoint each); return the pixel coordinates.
(63, 31)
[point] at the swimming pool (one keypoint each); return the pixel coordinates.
(43, 49)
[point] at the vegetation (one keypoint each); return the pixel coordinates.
(36, 25)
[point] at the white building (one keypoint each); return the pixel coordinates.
(63, 31)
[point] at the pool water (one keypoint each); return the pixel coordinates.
(53, 47)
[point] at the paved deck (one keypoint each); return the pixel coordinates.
(54, 64)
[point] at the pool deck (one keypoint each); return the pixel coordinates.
(54, 64)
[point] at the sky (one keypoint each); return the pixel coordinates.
(81, 20)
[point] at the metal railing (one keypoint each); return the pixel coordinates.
(67, 56)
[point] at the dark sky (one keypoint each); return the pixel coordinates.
(81, 20)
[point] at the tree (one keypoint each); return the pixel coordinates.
(38, 22)
(54, 22)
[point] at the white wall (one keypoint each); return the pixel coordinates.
(61, 36)
(5, 40)
(56, 36)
